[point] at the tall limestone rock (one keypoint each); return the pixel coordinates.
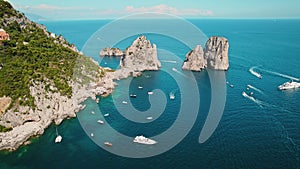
(216, 53)
(195, 60)
(214, 56)
(140, 56)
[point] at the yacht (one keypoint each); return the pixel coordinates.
(58, 139)
(289, 85)
(108, 144)
(149, 118)
(132, 95)
(150, 93)
(172, 96)
(100, 122)
(143, 140)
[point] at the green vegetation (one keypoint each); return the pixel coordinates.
(31, 56)
(5, 129)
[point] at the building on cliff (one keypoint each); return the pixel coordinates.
(3, 35)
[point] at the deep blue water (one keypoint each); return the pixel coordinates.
(262, 134)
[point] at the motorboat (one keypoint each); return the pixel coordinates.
(149, 118)
(58, 139)
(144, 140)
(100, 122)
(124, 102)
(132, 95)
(150, 93)
(93, 112)
(172, 96)
(108, 144)
(140, 87)
(250, 96)
(106, 115)
(289, 85)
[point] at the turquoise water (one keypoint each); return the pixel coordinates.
(262, 134)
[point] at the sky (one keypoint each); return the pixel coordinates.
(106, 9)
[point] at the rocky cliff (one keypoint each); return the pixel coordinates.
(195, 60)
(214, 56)
(140, 56)
(216, 53)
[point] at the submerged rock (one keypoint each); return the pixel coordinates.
(214, 56)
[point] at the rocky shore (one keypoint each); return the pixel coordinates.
(111, 52)
(52, 107)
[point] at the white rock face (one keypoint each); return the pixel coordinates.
(214, 56)
(140, 56)
(195, 60)
(216, 53)
(111, 52)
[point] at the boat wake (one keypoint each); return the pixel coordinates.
(279, 74)
(175, 70)
(169, 61)
(251, 70)
(256, 89)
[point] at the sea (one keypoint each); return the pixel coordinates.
(258, 132)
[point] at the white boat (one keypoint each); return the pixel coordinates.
(248, 96)
(58, 139)
(172, 96)
(149, 118)
(100, 122)
(124, 102)
(106, 115)
(108, 144)
(289, 85)
(140, 87)
(144, 140)
(93, 112)
(174, 69)
(150, 93)
(92, 134)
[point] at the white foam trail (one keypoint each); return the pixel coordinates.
(256, 89)
(169, 61)
(251, 70)
(280, 74)
(175, 70)
(260, 103)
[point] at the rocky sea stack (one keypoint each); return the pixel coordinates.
(214, 56)
(140, 56)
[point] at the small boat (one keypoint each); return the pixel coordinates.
(150, 93)
(108, 144)
(232, 86)
(289, 85)
(144, 140)
(100, 122)
(149, 118)
(132, 95)
(106, 115)
(92, 134)
(97, 100)
(58, 138)
(124, 102)
(172, 96)
(140, 87)
(250, 96)
(93, 112)
(174, 69)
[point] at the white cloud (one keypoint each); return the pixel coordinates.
(162, 8)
